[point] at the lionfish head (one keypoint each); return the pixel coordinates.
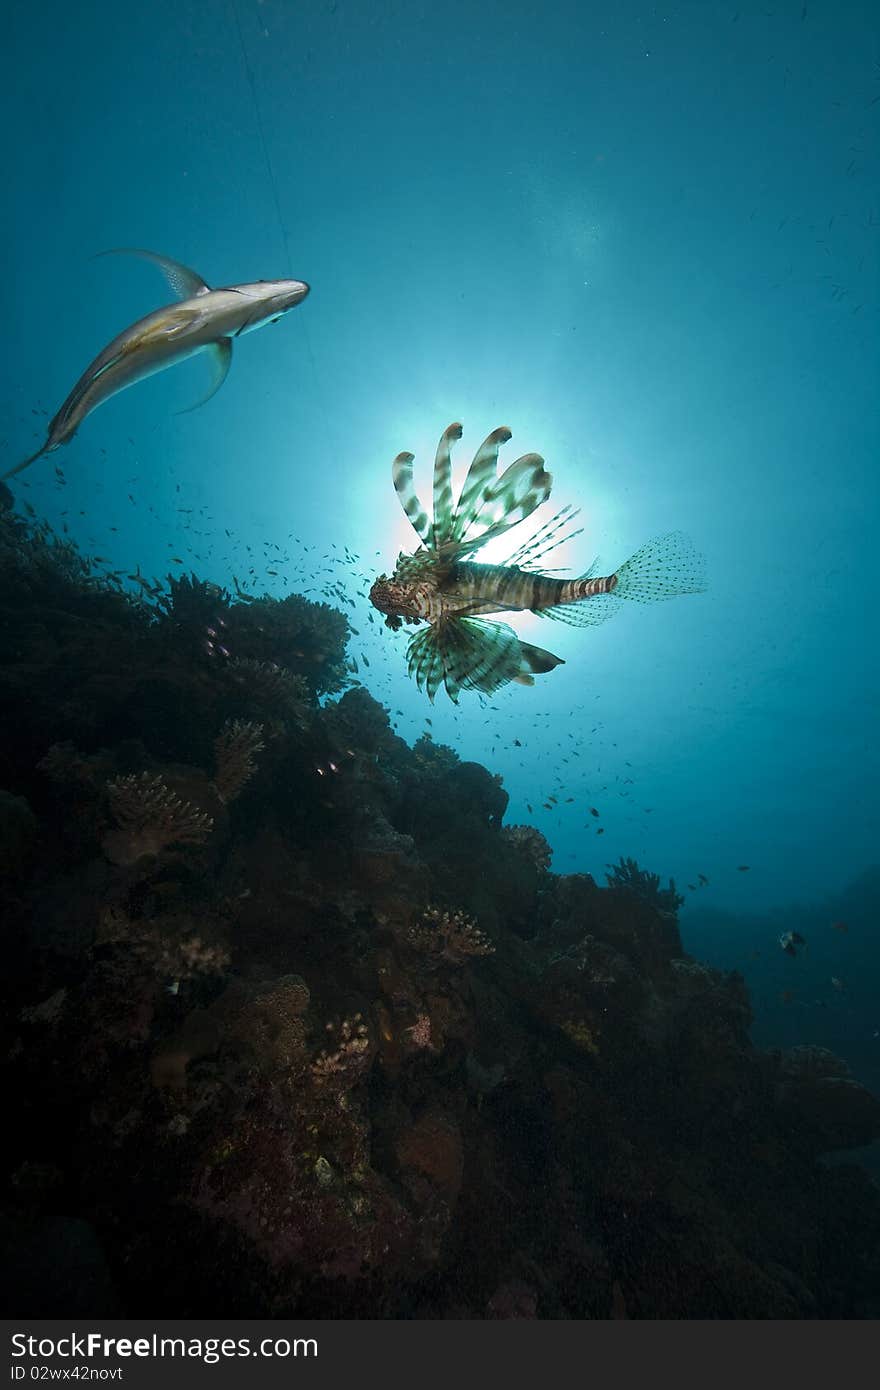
(402, 596)
(391, 597)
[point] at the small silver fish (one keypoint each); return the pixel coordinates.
(790, 940)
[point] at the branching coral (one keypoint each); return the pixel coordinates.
(235, 748)
(452, 936)
(192, 602)
(269, 686)
(358, 719)
(176, 946)
(434, 758)
(349, 1057)
(645, 885)
(62, 763)
(150, 817)
(529, 841)
(304, 637)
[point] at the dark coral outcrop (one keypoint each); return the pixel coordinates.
(293, 1026)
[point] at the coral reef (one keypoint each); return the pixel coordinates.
(306, 639)
(528, 841)
(150, 817)
(627, 874)
(349, 1053)
(235, 749)
(193, 604)
(268, 1064)
(450, 936)
(267, 686)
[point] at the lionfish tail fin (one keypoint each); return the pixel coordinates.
(473, 654)
(663, 568)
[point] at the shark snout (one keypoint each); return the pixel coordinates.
(294, 292)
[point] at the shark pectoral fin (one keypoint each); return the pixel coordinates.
(185, 283)
(219, 355)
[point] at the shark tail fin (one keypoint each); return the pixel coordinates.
(26, 463)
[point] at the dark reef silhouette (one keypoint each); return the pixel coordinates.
(296, 1025)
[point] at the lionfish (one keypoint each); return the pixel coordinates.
(441, 584)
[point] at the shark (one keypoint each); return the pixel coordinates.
(200, 320)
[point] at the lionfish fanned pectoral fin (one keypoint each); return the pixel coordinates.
(473, 654)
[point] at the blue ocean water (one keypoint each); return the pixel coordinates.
(644, 237)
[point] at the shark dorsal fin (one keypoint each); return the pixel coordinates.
(185, 283)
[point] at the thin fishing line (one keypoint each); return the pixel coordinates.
(261, 131)
(262, 134)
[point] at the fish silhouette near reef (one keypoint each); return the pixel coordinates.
(203, 320)
(790, 940)
(441, 585)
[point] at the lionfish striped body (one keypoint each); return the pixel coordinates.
(439, 583)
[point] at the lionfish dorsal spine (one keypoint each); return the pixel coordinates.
(402, 474)
(483, 469)
(443, 506)
(488, 505)
(546, 539)
(522, 487)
